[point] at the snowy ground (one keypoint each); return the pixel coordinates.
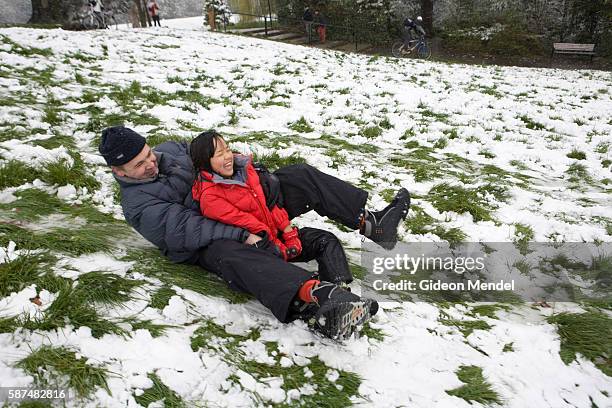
(500, 135)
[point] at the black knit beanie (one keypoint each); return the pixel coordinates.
(119, 145)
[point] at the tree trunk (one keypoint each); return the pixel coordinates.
(147, 20)
(141, 13)
(55, 11)
(427, 13)
(134, 15)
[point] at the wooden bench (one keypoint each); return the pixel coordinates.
(576, 49)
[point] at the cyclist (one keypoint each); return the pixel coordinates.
(410, 30)
(96, 7)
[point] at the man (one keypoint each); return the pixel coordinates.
(411, 29)
(157, 202)
(96, 8)
(308, 18)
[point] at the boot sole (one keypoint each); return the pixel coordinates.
(346, 318)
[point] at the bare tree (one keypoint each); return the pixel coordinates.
(427, 13)
(66, 12)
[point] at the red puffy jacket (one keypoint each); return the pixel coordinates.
(239, 201)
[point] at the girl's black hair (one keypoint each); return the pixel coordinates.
(202, 149)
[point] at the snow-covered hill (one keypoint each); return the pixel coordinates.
(489, 154)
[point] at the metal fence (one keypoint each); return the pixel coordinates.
(345, 33)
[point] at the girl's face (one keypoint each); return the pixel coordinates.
(222, 162)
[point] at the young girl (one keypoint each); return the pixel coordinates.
(228, 188)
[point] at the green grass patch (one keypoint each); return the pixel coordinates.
(301, 126)
(588, 334)
(466, 327)
(10, 131)
(78, 55)
(475, 388)
(59, 366)
(61, 173)
(157, 137)
(371, 132)
(452, 235)
(372, 333)
(441, 143)
(530, 123)
(421, 163)
(159, 392)
(56, 141)
(156, 330)
(353, 119)
(523, 236)
(87, 239)
(446, 197)
(23, 50)
(508, 347)
(14, 173)
(17, 274)
(487, 310)
(150, 262)
(451, 133)
(73, 306)
(331, 394)
(106, 288)
(9, 324)
(161, 297)
(578, 174)
(486, 153)
(339, 143)
(428, 113)
(602, 147)
(52, 113)
(576, 154)
(32, 204)
(274, 161)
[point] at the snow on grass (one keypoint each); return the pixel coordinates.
(489, 154)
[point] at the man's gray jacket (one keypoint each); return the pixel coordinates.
(163, 211)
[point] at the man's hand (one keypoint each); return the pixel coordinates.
(252, 239)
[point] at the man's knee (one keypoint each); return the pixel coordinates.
(213, 255)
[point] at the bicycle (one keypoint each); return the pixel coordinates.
(398, 49)
(90, 20)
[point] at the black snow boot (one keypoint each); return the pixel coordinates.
(341, 313)
(381, 226)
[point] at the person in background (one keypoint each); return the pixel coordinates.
(96, 8)
(153, 9)
(320, 22)
(412, 29)
(307, 18)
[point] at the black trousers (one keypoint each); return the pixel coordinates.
(270, 279)
(326, 249)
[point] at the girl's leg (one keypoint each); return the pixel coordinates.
(305, 188)
(326, 249)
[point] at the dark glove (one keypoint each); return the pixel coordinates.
(293, 243)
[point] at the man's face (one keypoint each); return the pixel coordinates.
(143, 166)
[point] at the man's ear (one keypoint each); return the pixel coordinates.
(118, 171)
